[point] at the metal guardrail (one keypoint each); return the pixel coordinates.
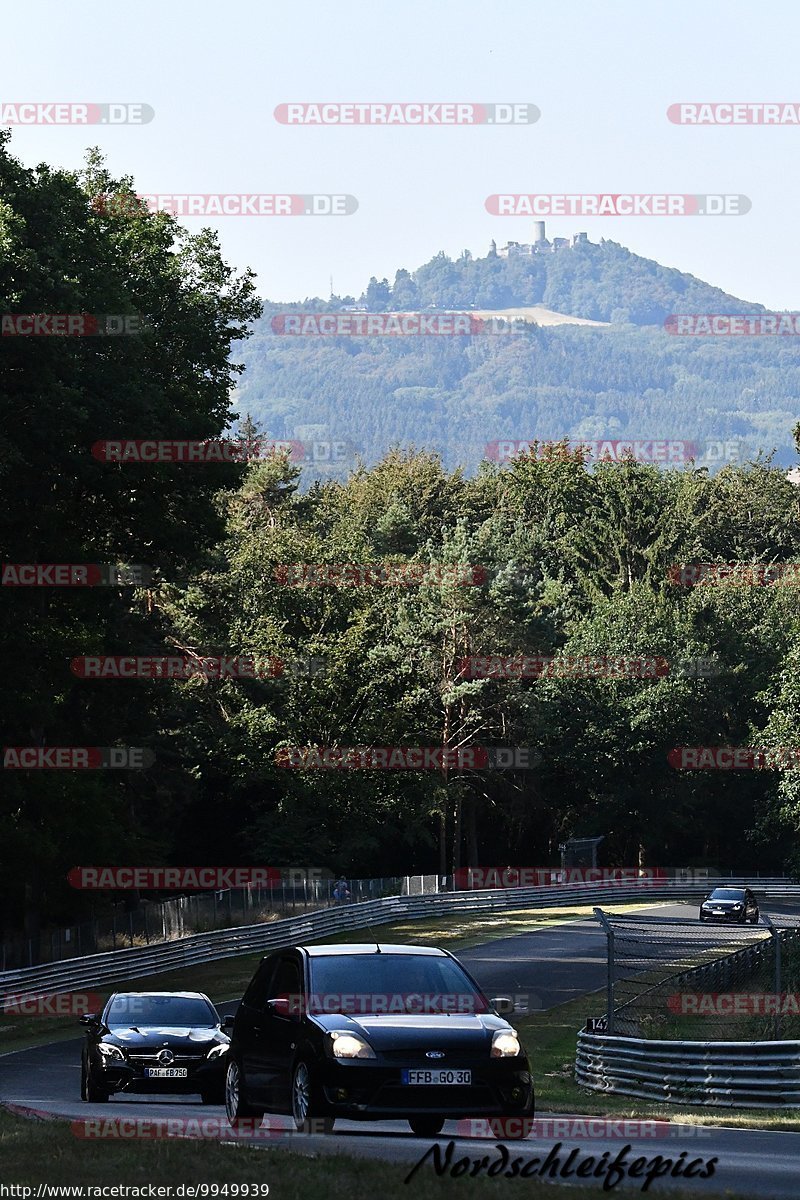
(722, 1074)
(122, 966)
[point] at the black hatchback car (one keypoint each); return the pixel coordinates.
(730, 905)
(154, 1042)
(374, 1033)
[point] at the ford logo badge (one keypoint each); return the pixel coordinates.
(434, 1054)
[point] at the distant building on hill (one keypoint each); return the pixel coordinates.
(539, 245)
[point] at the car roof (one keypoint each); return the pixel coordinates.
(182, 995)
(370, 948)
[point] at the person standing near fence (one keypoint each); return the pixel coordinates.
(341, 893)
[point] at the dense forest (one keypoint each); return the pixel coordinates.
(572, 564)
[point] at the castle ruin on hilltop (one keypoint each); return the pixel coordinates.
(539, 245)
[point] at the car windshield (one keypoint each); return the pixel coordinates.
(162, 1011)
(727, 894)
(391, 983)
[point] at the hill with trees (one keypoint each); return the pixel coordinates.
(456, 395)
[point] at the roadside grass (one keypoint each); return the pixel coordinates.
(226, 979)
(47, 1152)
(550, 1038)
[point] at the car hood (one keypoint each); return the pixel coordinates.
(723, 903)
(179, 1038)
(425, 1031)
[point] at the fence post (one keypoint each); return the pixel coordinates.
(776, 941)
(601, 916)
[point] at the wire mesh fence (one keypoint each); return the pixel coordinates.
(130, 921)
(689, 980)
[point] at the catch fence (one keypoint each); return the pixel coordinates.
(686, 980)
(127, 922)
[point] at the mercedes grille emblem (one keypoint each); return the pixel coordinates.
(165, 1057)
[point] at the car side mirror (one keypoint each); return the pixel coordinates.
(226, 1023)
(284, 1006)
(90, 1020)
(502, 1005)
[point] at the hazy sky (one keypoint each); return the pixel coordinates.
(602, 75)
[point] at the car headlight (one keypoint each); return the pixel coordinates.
(505, 1044)
(349, 1045)
(736, 906)
(218, 1051)
(111, 1053)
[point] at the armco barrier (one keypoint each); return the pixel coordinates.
(722, 1074)
(121, 966)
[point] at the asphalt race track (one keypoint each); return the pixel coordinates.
(546, 967)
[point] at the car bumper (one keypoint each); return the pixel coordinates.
(363, 1090)
(129, 1077)
(728, 918)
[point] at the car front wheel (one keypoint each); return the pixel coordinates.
(305, 1103)
(240, 1114)
(92, 1092)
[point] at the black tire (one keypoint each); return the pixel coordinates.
(241, 1115)
(307, 1110)
(756, 916)
(426, 1126)
(91, 1091)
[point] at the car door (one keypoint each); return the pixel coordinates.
(250, 1032)
(283, 1023)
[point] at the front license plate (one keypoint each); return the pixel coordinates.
(165, 1072)
(443, 1077)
